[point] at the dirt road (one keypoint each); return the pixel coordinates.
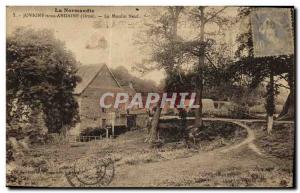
(190, 171)
(137, 165)
(248, 141)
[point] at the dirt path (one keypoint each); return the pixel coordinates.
(244, 120)
(251, 136)
(229, 119)
(248, 141)
(178, 170)
(137, 165)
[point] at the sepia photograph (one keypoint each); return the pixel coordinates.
(150, 97)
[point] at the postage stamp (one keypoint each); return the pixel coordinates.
(272, 32)
(150, 97)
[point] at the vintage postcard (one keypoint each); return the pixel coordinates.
(151, 97)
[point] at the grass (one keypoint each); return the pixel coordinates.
(278, 144)
(219, 134)
(140, 158)
(212, 135)
(236, 177)
(43, 165)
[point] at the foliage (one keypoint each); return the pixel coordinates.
(140, 85)
(41, 74)
(256, 69)
(253, 71)
(162, 40)
(92, 132)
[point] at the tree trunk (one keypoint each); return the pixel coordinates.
(153, 134)
(198, 101)
(270, 102)
(288, 110)
(270, 124)
(154, 125)
(199, 81)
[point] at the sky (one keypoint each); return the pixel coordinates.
(98, 39)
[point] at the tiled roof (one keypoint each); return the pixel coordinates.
(87, 73)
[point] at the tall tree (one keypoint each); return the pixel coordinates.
(41, 76)
(162, 37)
(201, 47)
(266, 68)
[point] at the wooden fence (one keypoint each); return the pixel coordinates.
(74, 139)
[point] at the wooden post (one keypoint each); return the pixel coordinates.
(270, 101)
(113, 117)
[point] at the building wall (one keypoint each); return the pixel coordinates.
(104, 79)
(91, 115)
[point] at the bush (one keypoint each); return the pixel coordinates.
(97, 131)
(210, 134)
(91, 131)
